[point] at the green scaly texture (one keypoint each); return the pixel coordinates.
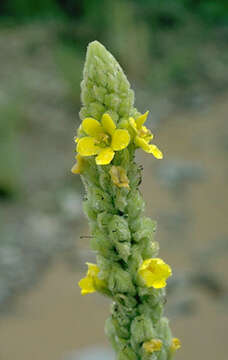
(121, 235)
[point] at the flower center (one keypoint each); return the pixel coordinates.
(102, 140)
(145, 133)
(152, 268)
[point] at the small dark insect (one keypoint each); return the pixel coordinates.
(140, 180)
(86, 237)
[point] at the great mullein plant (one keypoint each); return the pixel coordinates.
(128, 268)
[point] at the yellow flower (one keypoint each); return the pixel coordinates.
(103, 140)
(152, 345)
(176, 344)
(78, 166)
(142, 136)
(155, 272)
(91, 282)
(119, 176)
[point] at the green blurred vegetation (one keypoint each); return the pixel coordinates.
(165, 13)
(10, 115)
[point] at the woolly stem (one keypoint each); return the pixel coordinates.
(122, 237)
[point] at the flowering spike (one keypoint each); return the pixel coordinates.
(127, 269)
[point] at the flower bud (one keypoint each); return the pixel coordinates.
(121, 199)
(120, 236)
(135, 205)
(121, 330)
(103, 220)
(110, 332)
(101, 243)
(120, 281)
(142, 329)
(118, 229)
(89, 210)
(146, 229)
(164, 330)
(127, 354)
(100, 200)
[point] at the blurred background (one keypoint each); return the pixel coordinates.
(175, 54)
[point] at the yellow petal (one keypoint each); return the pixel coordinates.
(92, 273)
(86, 285)
(105, 156)
(91, 127)
(149, 148)
(75, 169)
(141, 119)
(120, 139)
(133, 124)
(91, 282)
(145, 133)
(87, 147)
(93, 269)
(108, 124)
(78, 166)
(159, 284)
(145, 264)
(153, 149)
(176, 344)
(139, 141)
